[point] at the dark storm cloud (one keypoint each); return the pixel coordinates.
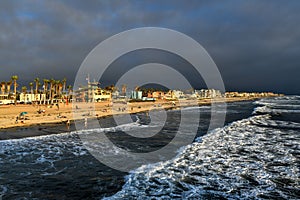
(255, 44)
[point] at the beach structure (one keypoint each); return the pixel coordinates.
(174, 94)
(115, 94)
(148, 99)
(191, 96)
(178, 94)
(92, 93)
(157, 94)
(101, 95)
(124, 90)
(31, 98)
(208, 93)
(249, 94)
(6, 99)
(136, 95)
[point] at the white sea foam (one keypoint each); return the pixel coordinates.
(284, 101)
(278, 105)
(240, 161)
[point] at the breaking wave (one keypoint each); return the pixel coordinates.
(253, 158)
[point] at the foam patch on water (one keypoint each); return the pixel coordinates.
(284, 101)
(267, 109)
(278, 105)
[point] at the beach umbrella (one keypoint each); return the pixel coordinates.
(23, 113)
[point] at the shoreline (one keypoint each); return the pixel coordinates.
(54, 117)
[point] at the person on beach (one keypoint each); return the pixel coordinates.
(85, 122)
(57, 105)
(17, 119)
(68, 124)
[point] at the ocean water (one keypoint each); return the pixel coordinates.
(254, 156)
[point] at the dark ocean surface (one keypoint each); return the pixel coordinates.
(255, 156)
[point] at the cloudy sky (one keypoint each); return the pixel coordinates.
(255, 44)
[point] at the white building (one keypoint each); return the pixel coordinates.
(29, 98)
(115, 94)
(136, 95)
(208, 93)
(4, 99)
(174, 94)
(101, 95)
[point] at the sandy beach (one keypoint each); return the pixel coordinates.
(53, 114)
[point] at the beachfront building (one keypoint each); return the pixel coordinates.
(249, 94)
(26, 98)
(6, 99)
(80, 95)
(30, 98)
(101, 95)
(136, 95)
(170, 95)
(191, 96)
(178, 94)
(208, 93)
(157, 95)
(96, 94)
(115, 94)
(93, 93)
(232, 94)
(174, 94)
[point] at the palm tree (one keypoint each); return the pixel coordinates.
(59, 87)
(54, 88)
(39, 85)
(37, 82)
(52, 82)
(8, 84)
(14, 78)
(64, 82)
(31, 90)
(24, 89)
(111, 88)
(69, 92)
(46, 81)
(3, 84)
(31, 87)
(124, 88)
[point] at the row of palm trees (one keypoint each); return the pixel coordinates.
(5, 86)
(51, 88)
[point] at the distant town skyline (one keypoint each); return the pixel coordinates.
(255, 44)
